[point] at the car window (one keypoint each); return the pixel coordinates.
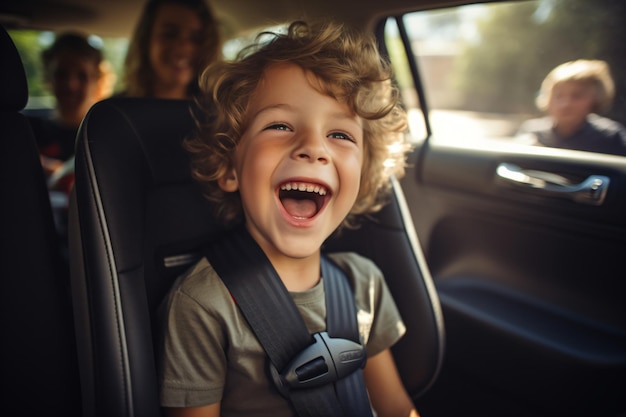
(233, 46)
(482, 66)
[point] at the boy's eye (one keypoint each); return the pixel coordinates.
(341, 135)
(278, 126)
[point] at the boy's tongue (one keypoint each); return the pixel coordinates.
(300, 208)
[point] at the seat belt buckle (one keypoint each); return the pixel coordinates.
(325, 361)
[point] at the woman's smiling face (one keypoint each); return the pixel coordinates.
(174, 47)
(298, 164)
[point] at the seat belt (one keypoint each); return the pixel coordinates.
(320, 374)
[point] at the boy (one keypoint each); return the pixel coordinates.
(304, 135)
(572, 94)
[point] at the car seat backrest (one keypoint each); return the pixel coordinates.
(135, 222)
(138, 220)
(39, 367)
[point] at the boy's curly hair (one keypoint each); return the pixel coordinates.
(350, 70)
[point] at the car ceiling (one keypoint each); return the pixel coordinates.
(118, 17)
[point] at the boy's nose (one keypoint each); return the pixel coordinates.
(312, 147)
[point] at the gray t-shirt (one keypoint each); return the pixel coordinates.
(209, 353)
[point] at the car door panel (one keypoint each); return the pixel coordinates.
(531, 285)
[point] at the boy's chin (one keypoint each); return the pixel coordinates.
(299, 248)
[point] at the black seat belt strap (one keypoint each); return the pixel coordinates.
(341, 322)
(238, 259)
(276, 322)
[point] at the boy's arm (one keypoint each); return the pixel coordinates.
(212, 410)
(387, 394)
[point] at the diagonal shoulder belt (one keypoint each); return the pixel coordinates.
(320, 374)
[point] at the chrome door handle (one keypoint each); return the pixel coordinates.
(590, 191)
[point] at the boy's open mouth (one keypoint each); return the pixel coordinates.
(303, 200)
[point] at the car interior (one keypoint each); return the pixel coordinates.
(38, 351)
(512, 292)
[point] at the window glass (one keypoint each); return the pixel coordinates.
(399, 60)
(482, 67)
(233, 46)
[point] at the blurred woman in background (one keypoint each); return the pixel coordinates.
(172, 42)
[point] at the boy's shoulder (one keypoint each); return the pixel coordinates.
(201, 283)
(359, 269)
(351, 259)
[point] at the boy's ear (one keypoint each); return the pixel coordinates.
(229, 182)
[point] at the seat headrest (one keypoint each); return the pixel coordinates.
(13, 86)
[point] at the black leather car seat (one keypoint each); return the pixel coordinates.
(136, 222)
(39, 367)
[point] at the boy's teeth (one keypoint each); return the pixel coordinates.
(309, 188)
